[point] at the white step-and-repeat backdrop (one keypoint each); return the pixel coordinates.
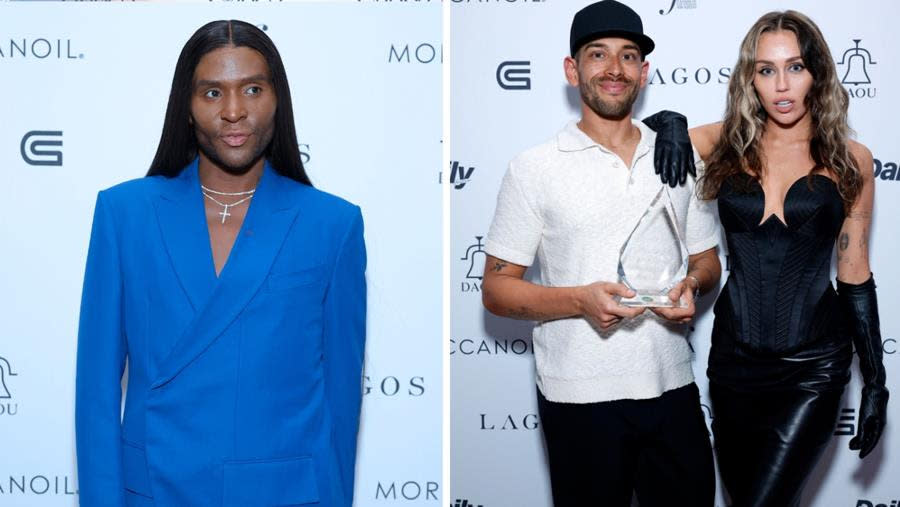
(84, 90)
(508, 93)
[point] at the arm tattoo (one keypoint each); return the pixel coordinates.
(844, 241)
(498, 266)
(860, 214)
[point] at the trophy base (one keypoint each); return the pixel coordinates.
(651, 300)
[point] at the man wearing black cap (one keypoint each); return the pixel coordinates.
(618, 406)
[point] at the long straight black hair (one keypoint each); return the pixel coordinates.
(178, 143)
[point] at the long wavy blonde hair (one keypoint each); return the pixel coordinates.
(738, 149)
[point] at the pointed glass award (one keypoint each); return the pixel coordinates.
(654, 258)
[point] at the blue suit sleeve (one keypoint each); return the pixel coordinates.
(101, 361)
(344, 345)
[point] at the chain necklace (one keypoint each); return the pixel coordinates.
(230, 194)
(224, 213)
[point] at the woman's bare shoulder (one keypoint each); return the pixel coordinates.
(705, 137)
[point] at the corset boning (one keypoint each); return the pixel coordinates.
(779, 296)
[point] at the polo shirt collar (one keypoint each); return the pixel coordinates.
(571, 138)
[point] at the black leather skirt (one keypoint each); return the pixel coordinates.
(773, 416)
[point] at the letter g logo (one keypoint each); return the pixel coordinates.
(33, 147)
(514, 75)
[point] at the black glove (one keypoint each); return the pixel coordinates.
(674, 157)
(860, 308)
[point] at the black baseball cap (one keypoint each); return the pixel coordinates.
(608, 18)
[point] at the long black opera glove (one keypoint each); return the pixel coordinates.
(673, 157)
(860, 308)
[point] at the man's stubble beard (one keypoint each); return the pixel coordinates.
(259, 150)
(609, 110)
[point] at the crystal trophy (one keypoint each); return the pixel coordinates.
(654, 258)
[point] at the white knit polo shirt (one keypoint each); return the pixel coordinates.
(572, 203)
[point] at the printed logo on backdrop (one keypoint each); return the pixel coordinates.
(464, 502)
(475, 258)
(491, 347)
(459, 174)
(407, 490)
(679, 4)
(305, 156)
(846, 423)
(39, 48)
(514, 75)
(889, 346)
(856, 63)
(423, 52)
(886, 171)
(509, 422)
(42, 485)
(36, 147)
(862, 502)
(712, 75)
(394, 387)
(7, 404)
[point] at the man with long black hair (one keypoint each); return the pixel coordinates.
(236, 294)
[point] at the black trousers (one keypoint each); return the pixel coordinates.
(602, 453)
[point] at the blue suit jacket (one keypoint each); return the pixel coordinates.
(243, 390)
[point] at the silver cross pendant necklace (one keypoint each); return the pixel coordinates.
(208, 192)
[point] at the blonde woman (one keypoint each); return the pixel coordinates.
(790, 183)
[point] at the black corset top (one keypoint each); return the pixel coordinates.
(778, 296)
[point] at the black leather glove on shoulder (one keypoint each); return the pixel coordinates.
(673, 157)
(860, 311)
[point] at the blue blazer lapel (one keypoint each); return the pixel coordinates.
(271, 214)
(182, 222)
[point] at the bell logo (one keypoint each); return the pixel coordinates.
(475, 257)
(6, 371)
(856, 61)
